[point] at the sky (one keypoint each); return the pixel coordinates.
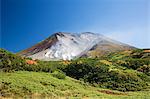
(27, 22)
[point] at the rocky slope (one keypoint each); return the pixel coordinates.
(68, 46)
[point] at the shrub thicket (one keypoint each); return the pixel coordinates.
(101, 76)
(107, 73)
(59, 74)
(10, 62)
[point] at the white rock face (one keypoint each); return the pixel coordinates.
(69, 46)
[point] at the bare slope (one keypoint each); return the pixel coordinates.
(68, 46)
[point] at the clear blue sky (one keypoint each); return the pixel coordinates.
(27, 22)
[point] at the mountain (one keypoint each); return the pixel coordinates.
(68, 46)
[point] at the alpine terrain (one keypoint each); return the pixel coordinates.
(67, 46)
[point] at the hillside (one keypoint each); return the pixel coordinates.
(19, 84)
(67, 46)
(119, 75)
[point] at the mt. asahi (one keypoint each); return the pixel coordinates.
(67, 46)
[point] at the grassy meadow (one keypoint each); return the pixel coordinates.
(122, 75)
(39, 84)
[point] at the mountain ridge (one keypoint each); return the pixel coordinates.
(67, 46)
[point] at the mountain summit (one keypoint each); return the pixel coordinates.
(67, 46)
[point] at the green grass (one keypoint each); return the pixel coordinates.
(46, 79)
(40, 84)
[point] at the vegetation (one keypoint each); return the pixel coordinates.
(137, 60)
(10, 62)
(59, 74)
(39, 85)
(123, 71)
(107, 76)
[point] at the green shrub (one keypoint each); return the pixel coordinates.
(145, 69)
(126, 81)
(59, 74)
(99, 74)
(89, 70)
(134, 63)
